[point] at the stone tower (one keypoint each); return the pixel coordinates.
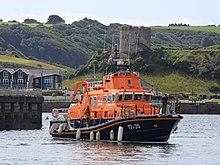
(134, 40)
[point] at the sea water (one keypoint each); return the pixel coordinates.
(197, 141)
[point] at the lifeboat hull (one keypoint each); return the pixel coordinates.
(139, 129)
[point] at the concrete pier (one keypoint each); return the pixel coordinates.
(199, 108)
(20, 111)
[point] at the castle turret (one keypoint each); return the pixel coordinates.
(134, 39)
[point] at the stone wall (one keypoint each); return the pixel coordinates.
(134, 39)
(199, 108)
(48, 106)
(20, 112)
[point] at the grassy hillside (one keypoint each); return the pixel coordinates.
(64, 43)
(9, 61)
(212, 29)
(176, 83)
(28, 24)
(173, 83)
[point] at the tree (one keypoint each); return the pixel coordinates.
(30, 21)
(215, 89)
(1, 20)
(206, 42)
(54, 19)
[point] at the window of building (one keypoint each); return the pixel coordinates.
(5, 81)
(47, 80)
(20, 81)
(20, 74)
(37, 81)
(5, 75)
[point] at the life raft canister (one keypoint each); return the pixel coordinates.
(55, 113)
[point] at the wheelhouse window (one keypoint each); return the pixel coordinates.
(104, 99)
(95, 100)
(109, 98)
(90, 100)
(128, 96)
(147, 97)
(138, 96)
(120, 97)
(113, 98)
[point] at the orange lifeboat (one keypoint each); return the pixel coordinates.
(115, 108)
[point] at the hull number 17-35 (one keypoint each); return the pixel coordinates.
(134, 126)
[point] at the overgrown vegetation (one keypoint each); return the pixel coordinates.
(187, 51)
(172, 83)
(64, 43)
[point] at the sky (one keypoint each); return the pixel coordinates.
(132, 12)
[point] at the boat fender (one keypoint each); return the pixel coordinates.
(112, 135)
(60, 129)
(120, 133)
(97, 136)
(78, 134)
(91, 136)
(51, 129)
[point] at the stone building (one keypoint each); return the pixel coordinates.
(134, 40)
(28, 78)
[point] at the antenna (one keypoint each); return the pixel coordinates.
(112, 44)
(94, 71)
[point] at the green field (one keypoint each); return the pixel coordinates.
(215, 29)
(176, 83)
(173, 83)
(31, 24)
(10, 60)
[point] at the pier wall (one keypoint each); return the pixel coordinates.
(199, 108)
(48, 106)
(20, 112)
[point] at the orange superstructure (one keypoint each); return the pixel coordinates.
(118, 94)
